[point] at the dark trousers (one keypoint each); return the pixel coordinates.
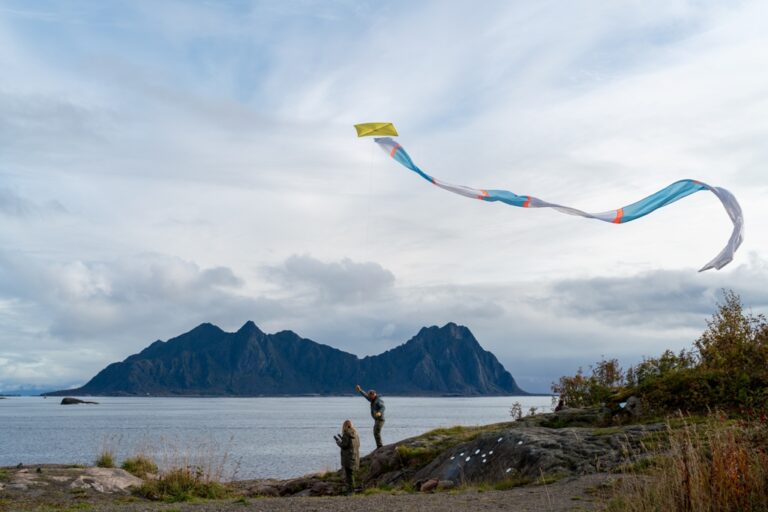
(349, 480)
(377, 426)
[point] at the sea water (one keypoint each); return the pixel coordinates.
(242, 437)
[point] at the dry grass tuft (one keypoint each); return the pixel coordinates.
(182, 484)
(106, 459)
(717, 466)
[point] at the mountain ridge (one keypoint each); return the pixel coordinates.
(207, 361)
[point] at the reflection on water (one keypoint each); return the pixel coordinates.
(260, 437)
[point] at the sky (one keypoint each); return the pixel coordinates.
(168, 163)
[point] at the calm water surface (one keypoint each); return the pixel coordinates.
(250, 437)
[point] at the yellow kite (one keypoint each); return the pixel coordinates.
(371, 129)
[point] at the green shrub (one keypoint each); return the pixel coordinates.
(140, 466)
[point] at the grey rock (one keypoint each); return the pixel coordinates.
(533, 451)
(106, 480)
(323, 489)
(634, 406)
(429, 485)
(263, 490)
(446, 484)
(74, 401)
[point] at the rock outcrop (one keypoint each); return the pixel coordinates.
(106, 480)
(545, 447)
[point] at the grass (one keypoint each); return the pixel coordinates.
(404, 488)
(106, 459)
(62, 508)
(416, 456)
(644, 465)
(184, 473)
(140, 466)
(4, 476)
(182, 484)
(549, 479)
(716, 465)
(606, 431)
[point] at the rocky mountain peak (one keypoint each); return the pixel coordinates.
(208, 361)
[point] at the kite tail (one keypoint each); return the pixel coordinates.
(641, 208)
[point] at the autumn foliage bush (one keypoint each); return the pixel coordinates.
(726, 369)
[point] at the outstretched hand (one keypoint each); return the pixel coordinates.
(358, 388)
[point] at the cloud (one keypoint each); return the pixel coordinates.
(206, 151)
(658, 299)
(87, 314)
(14, 205)
(344, 281)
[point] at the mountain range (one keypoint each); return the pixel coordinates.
(208, 361)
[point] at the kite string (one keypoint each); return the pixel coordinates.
(367, 228)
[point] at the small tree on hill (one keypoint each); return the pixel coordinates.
(734, 341)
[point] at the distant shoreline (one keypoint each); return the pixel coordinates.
(309, 395)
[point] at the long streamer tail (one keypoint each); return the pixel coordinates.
(641, 208)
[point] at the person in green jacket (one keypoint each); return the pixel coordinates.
(349, 442)
(377, 412)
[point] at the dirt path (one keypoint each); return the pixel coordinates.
(575, 494)
(52, 489)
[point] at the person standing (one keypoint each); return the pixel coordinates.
(349, 442)
(377, 412)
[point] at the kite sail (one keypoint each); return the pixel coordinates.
(371, 129)
(663, 197)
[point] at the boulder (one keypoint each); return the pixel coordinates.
(106, 480)
(429, 485)
(296, 486)
(263, 490)
(323, 489)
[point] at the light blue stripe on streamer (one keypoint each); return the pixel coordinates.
(663, 197)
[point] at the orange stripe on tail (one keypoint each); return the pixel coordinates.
(619, 215)
(483, 194)
(394, 150)
(527, 202)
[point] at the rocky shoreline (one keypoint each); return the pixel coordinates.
(561, 456)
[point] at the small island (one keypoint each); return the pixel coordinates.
(206, 361)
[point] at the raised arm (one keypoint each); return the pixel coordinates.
(362, 393)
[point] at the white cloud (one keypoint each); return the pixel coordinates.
(195, 146)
